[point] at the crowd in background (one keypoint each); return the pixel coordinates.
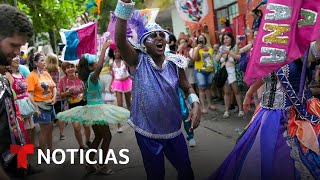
(40, 80)
(216, 71)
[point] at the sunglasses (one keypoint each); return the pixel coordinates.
(157, 33)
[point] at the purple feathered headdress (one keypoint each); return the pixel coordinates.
(138, 27)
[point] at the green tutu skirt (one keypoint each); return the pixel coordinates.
(100, 114)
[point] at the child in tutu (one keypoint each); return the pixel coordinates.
(121, 82)
(95, 113)
(71, 89)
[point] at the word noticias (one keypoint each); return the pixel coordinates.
(58, 156)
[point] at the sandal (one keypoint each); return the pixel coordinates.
(241, 114)
(226, 114)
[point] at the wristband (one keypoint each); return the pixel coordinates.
(193, 98)
(124, 10)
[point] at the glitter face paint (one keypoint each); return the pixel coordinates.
(153, 35)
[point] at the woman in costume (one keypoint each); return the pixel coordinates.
(282, 139)
(228, 57)
(25, 106)
(95, 113)
(121, 82)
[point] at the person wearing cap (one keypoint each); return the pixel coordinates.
(155, 109)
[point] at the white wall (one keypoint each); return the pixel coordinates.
(177, 24)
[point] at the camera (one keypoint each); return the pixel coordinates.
(242, 38)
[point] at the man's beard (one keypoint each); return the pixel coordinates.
(4, 60)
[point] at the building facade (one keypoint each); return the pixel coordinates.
(237, 11)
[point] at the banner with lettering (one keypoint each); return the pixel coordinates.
(286, 30)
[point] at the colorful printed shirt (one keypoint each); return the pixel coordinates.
(206, 61)
(41, 85)
(76, 87)
(19, 86)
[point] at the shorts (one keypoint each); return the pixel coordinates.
(81, 103)
(57, 107)
(231, 75)
(203, 79)
(45, 117)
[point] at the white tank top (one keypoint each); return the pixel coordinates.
(120, 72)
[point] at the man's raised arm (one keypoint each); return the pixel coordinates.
(123, 12)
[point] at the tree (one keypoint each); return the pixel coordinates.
(52, 15)
(163, 4)
(109, 6)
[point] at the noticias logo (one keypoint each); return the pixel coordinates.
(58, 156)
(24, 150)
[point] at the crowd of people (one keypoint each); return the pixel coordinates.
(206, 60)
(176, 69)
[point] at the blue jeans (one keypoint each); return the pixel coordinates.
(45, 117)
(203, 79)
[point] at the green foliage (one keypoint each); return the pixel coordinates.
(108, 6)
(57, 14)
(52, 14)
(163, 4)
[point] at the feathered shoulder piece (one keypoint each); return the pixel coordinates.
(178, 59)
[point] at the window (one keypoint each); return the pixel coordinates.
(230, 11)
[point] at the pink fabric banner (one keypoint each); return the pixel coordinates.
(285, 32)
(87, 40)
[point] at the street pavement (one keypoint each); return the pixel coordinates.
(215, 139)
